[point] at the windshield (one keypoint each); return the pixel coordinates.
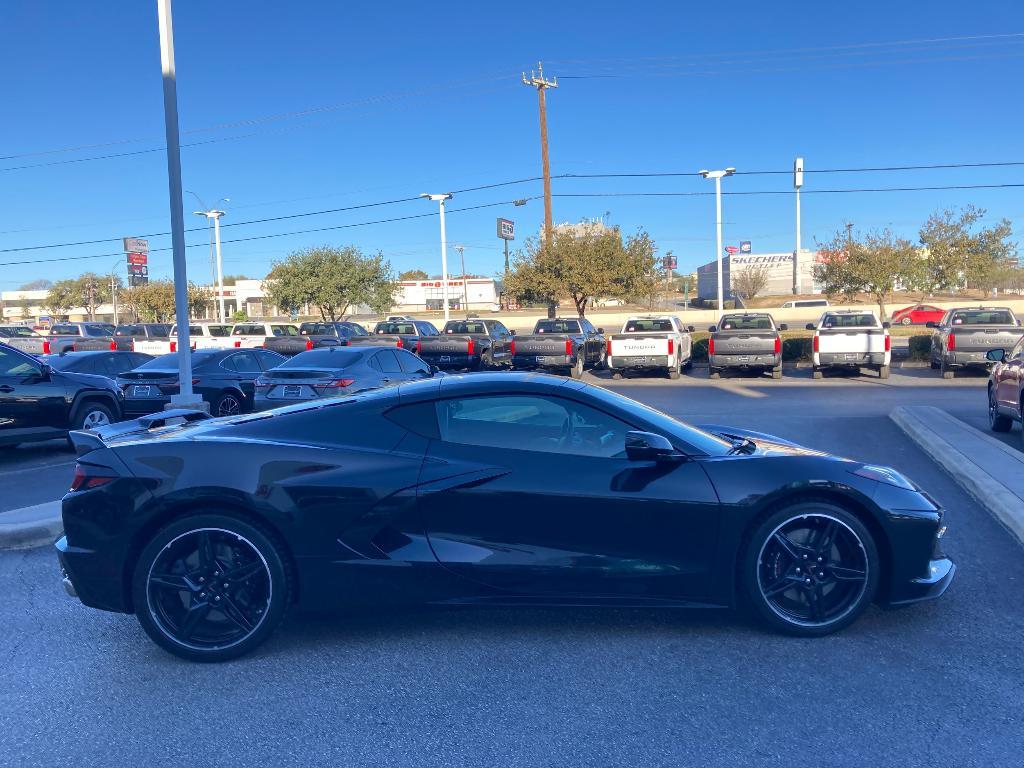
(17, 330)
(983, 317)
(170, 362)
(395, 328)
(331, 357)
(458, 327)
(695, 441)
(860, 320)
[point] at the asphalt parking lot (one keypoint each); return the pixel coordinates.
(936, 684)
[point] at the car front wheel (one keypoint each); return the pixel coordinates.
(210, 588)
(810, 569)
(996, 421)
(93, 415)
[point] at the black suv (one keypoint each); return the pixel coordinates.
(38, 402)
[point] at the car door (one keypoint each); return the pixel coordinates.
(390, 369)
(501, 340)
(1008, 381)
(29, 398)
(534, 495)
(248, 368)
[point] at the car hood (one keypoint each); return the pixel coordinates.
(767, 445)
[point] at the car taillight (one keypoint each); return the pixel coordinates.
(888, 342)
(568, 346)
(470, 346)
(83, 480)
(814, 343)
(46, 347)
(778, 345)
(711, 346)
(74, 347)
(261, 383)
(194, 382)
(309, 344)
(399, 343)
(512, 348)
(113, 346)
(608, 348)
(338, 383)
(671, 346)
(238, 344)
(952, 341)
(174, 346)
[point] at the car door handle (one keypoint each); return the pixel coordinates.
(5, 389)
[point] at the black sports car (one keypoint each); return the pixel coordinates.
(492, 489)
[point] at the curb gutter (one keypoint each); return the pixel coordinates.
(29, 527)
(978, 462)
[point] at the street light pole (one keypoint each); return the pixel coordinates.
(213, 216)
(465, 289)
(717, 176)
(798, 181)
(185, 398)
(440, 198)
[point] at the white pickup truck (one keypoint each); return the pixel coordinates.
(200, 336)
(648, 343)
(851, 338)
(250, 335)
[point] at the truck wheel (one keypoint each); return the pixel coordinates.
(817, 374)
(947, 373)
(673, 373)
(883, 372)
(576, 371)
(714, 373)
(934, 365)
(777, 371)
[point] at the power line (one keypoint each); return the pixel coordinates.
(788, 191)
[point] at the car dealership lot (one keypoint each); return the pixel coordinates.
(934, 684)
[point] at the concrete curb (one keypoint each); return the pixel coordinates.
(29, 527)
(972, 458)
(801, 365)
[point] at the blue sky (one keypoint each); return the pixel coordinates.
(320, 105)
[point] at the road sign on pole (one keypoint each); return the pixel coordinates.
(731, 249)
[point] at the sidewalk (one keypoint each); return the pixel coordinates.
(35, 526)
(989, 470)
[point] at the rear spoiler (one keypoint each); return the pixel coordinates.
(93, 439)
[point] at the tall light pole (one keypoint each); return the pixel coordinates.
(213, 216)
(440, 198)
(798, 181)
(717, 176)
(185, 398)
(465, 287)
(113, 288)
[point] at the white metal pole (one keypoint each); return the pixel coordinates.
(113, 296)
(444, 263)
(718, 225)
(796, 254)
(220, 269)
(185, 398)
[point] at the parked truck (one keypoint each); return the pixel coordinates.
(200, 336)
(749, 341)
(963, 337)
(249, 335)
(400, 333)
(315, 336)
(649, 343)
(66, 337)
(850, 339)
(564, 344)
(473, 345)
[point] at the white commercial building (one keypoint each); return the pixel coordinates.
(779, 268)
(479, 293)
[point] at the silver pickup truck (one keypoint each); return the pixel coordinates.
(748, 341)
(964, 336)
(65, 337)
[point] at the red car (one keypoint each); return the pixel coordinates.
(919, 314)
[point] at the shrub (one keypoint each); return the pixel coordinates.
(920, 347)
(798, 348)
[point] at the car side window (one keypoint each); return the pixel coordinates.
(268, 359)
(13, 364)
(410, 363)
(246, 362)
(387, 361)
(532, 423)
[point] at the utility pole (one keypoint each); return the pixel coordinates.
(798, 181)
(465, 288)
(849, 235)
(537, 80)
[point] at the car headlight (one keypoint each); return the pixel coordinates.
(886, 475)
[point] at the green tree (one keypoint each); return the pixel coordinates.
(153, 302)
(413, 274)
(583, 265)
(90, 290)
(61, 297)
(198, 300)
(962, 254)
(874, 264)
(331, 279)
(233, 279)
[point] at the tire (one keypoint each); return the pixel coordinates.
(227, 403)
(934, 365)
(809, 569)
(239, 617)
(714, 373)
(92, 414)
(817, 374)
(883, 372)
(616, 375)
(777, 372)
(906, 320)
(576, 372)
(996, 421)
(947, 373)
(673, 372)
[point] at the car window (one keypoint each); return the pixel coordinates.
(13, 364)
(643, 325)
(97, 330)
(859, 320)
(557, 326)
(284, 330)
(129, 330)
(64, 330)
(246, 362)
(983, 317)
(746, 323)
(1017, 353)
(355, 329)
(268, 359)
(532, 423)
(459, 326)
(407, 329)
(410, 363)
(387, 361)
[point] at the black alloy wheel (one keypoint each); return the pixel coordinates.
(210, 588)
(996, 421)
(811, 569)
(227, 404)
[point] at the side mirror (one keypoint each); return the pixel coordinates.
(691, 329)
(511, 332)
(600, 330)
(931, 324)
(996, 355)
(44, 372)
(648, 446)
(712, 328)
(810, 327)
(783, 327)
(886, 324)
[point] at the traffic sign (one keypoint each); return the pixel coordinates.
(506, 229)
(135, 245)
(138, 258)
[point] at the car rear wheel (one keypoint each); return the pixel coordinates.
(210, 588)
(883, 372)
(93, 415)
(947, 373)
(810, 569)
(576, 371)
(906, 320)
(227, 404)
(996, 421)
(817, 374)
(777, 371)
(714, 373)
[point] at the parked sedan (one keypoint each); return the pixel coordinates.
(919, 314)
(109, 364)
(334, 371)
(1006, 388)
(487, 489)
(225, 378)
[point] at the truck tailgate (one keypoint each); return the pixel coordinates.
(834, 340)
(640, 344)
(745, 343)
(984, 338)
(455, 344)
(155, 347)
(541, 344)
